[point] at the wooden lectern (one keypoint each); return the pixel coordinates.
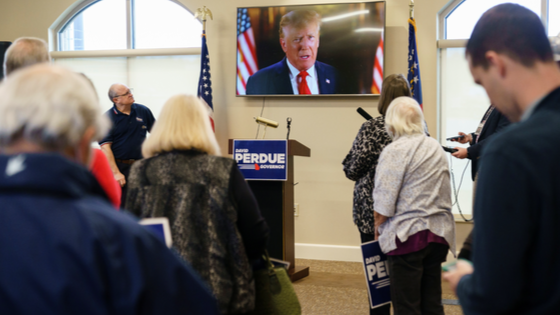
(276, 202)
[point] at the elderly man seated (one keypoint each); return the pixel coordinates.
(63, 248)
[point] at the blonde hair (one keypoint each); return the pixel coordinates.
(393, 86)
(300, 19)
(404, 117)
(49, 106)
(183, 124)
(25, 51)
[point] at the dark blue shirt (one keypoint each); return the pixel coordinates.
(128, 131)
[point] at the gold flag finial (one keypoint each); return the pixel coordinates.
(202, 14)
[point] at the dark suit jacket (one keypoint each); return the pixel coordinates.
(496, 121)
(275, 79)
(516, 235)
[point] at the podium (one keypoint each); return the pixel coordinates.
(276, 202)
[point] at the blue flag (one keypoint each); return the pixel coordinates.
(413, 65)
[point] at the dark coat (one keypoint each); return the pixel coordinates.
(65, 250)
(275, 79)
(191, 189)
(516, 235)
(495, 122)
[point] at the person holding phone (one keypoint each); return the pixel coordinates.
(492, 122)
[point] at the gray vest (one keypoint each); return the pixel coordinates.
(192, 190)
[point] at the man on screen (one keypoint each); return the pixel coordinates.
(298, 72)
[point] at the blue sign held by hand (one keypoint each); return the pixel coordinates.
(377, 274)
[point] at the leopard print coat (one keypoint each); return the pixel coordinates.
(359, 166)
(191, 188)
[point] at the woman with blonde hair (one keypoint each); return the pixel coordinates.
(216, 224)
(361, 161)
(413, 219)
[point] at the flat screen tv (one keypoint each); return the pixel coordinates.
(323, 49)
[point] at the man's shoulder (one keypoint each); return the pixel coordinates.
(141, 108)
(111, 112)
(274, 68)
(324, 66)
(528, 139)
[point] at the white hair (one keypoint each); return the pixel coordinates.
(404, 117)
(24, 52)
(49, 106)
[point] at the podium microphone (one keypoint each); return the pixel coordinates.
(288, 124)
(364, 113)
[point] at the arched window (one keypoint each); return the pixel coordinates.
(150, 45)
(128, 24)
(461, 102)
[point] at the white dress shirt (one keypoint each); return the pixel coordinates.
(312, 78)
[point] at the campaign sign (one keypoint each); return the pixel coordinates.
(377, 274)
(262, 159)
(159, 226)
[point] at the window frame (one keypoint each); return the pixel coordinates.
(442, 44)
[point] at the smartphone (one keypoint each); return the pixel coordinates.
(454, 138)
(449, 149)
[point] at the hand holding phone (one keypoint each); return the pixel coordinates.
(449, 149)
(455, 138)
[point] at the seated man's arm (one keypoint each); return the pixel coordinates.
(119, 177)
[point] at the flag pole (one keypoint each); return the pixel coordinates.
(411, 5)
(202, 14)
(205, 81)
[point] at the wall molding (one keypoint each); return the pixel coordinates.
(328, 252)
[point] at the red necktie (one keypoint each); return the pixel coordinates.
(303, 88)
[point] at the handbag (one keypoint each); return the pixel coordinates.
(274, 292)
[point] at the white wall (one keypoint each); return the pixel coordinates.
(326, 125)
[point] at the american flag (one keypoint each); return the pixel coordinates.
(413, 66)
(204, 81)
(246, 51)
(378, 69)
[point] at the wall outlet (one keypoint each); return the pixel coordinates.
(296, 209)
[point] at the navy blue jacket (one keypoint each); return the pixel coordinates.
(65, 250)
(275, 79)
(517, 210)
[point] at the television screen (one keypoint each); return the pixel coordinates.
(324, 49)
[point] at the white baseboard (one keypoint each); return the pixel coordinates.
(328, 252)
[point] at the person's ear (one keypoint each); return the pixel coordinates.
(83, 151)
(497, 62)
(284, 44)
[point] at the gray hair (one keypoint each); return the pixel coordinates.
(112, 94)
(404, 117)
(25, 51)
(49, 106)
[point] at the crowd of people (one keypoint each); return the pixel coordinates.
(506, 265)
(65, 250)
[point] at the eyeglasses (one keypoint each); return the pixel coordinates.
(129, 92)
